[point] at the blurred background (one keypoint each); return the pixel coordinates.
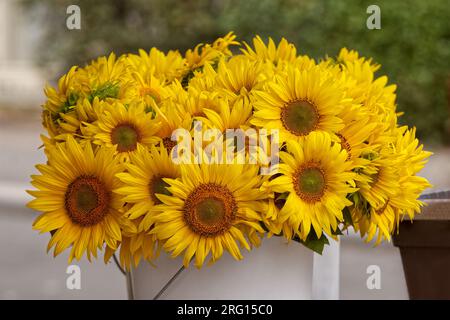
(413, 47)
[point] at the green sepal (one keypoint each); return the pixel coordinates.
(106, 90)
(314, 243)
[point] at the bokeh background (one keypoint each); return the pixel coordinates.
(413, 47)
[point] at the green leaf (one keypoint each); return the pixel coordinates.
(70, 103)
(106, 90)
(348, 221)
(355, 197)
(314, 243)
(282, 196)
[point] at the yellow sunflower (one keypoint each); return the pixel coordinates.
(105, 79)
(150, 87)
(144, 179)
(203, 53)
(317, 177)
(135, 246)
(375, 96)
(211, 208)
(234, 116)
(237, 77)
(220, 135)
(285, 51)
(379, 179)
(124, 127)
(75, 194)
(204, 79)
(355, 135)
(110, 78)
(167, 67)
(72, 87)
(351, 56)
(300, 102)
(393, 191)
(171, 116)
(195, 101)
(73, 122)
(380, 221)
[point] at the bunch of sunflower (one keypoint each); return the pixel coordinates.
(110, 182)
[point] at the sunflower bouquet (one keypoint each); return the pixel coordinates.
(118, 179)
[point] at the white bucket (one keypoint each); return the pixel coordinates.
(275, 270)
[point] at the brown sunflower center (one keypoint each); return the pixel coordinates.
(345, 145)
(300, 117)
(310, 183)
(210, 209)
(87, 201)
(125, 136)
(158, 185)
(168, 143)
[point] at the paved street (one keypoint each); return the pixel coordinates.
(26, 271)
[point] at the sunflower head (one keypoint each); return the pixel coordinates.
(300, 102)
(209, 53)
(136, 245)
(300, 117)
(315, 180)
(237, 77)
(272, 53)
(76, 198)
(209, 210)
(165, 67)
(124, 127)
(144, 180)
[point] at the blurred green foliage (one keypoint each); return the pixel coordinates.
(413, 44)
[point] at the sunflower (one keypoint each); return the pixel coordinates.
(285, 51)
(150, 87)
(144, 179)
(75, 194)
(393, 190)
(300, 102)
(355, 135)
(135, 246)
(381, 220)
(234, 116)
(346, 56)
(317, 178)
(373, 94)
(237, 77)
(72, 87)
(220, 132)
(204, 79)
(194, 101)
(379, 179)
(168, 66)
(375, 221)
(105, 79)
(109, 78)
(172, 116)
(211, 208)
(124, 127)
(210, 53)
(73, 122)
